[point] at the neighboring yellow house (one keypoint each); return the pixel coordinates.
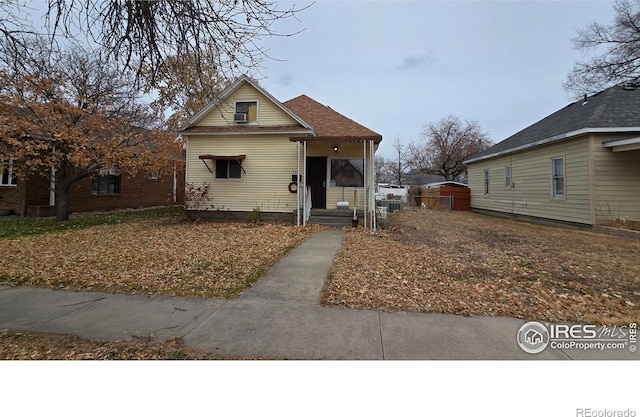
(249, 151)
(580, 164)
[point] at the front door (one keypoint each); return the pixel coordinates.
(317, 180)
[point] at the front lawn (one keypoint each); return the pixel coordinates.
(472, 264)
(19, 345)
(11, 227)
(164, 257)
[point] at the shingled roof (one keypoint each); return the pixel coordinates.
(328, 123)
(614, 109)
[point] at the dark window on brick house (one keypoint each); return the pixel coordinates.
(106, 184)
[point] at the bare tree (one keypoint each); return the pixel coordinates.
(396, 169)
(181, 91)
(444, 145)
(141, 34)
(72, 114)
(618, 45)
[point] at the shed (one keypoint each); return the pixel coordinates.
(447, 195)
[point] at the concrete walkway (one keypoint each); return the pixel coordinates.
(280, 317)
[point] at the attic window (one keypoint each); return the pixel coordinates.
(246, 112)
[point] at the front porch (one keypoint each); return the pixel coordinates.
(335, 176)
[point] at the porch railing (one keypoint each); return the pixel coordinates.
(307, 199)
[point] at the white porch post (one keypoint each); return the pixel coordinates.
(372, 153)
(366, 183)
(298, 184)
(304, 182)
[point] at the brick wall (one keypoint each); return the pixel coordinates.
(13, 198)
(135, 192)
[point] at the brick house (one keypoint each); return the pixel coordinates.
(32, 197)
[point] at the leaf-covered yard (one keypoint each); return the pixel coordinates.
(166, 257)
(471, 264)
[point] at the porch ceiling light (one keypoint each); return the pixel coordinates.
(335, 148)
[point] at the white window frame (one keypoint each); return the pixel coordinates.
(507, 176)
(10, 180)
(228, 178)
(554, 178)
(235, 110)
(486, 182)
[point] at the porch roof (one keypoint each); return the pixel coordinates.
(329, 125)
(336, 139)
(622, 145)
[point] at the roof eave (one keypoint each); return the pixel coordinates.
(246, 132)
(556, 138)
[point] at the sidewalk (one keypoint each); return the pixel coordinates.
(280, 318)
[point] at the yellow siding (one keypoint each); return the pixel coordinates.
(269, 114)
(531, 194)
(270, 162)
(617, 182)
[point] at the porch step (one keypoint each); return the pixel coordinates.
(333, 212)
(334, 218)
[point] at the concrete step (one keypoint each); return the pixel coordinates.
(334, 213)
(330, 221)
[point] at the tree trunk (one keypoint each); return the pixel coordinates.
(62, 204)
(62, 192)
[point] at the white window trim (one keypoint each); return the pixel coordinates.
(508, 184)
(555, 196)
(12, 175)
(235, 106)
(486, 182)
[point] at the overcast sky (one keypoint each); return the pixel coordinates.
(396, 66)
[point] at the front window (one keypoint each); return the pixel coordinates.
(107, 181)
(249, 109)
(7, 174)
(557, 168)
(347, 172)
(228, 168)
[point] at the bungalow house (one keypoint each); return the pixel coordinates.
(250, 151)
(32, 196)
(580, 164)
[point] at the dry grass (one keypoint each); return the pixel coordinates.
(470, 264)
(150, 257)
(16, 345)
